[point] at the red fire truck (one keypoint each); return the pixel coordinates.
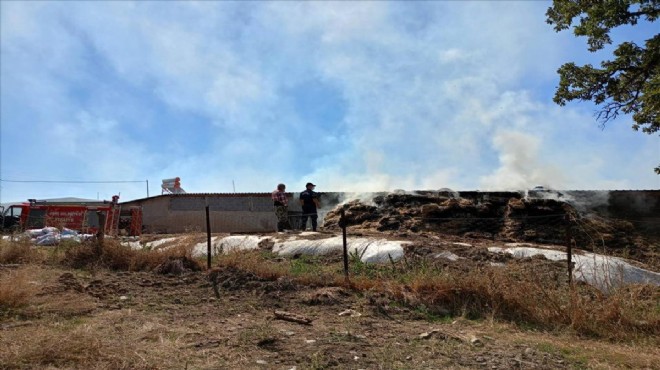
(80, 216)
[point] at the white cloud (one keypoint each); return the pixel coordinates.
(429, 95)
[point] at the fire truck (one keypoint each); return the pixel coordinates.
(84, 217)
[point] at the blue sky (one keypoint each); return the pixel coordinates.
(353, 96)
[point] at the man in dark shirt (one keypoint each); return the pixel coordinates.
(309, 201)
(281, 203)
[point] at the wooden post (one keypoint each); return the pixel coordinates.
(342, 224)
(208, 238)
(569, 250)
(100, 234)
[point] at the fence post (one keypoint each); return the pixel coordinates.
(342, 224)
(208, 238)
(569, 250)
(100, 234)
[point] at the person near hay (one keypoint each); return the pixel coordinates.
(281, 203)
(309, 200)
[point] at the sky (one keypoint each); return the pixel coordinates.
(352, 96)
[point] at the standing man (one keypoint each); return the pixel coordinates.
(309, 200)
(281, 203)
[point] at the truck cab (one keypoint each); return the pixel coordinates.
(11, 217)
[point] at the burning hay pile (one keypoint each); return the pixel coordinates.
(506, 218)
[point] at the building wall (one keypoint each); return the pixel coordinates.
(179, 213)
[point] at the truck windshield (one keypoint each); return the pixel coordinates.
(14, 211)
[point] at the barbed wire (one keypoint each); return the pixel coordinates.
(524, 217)
(580, 224)
(459, 218)
(647, 221)
(491, 218)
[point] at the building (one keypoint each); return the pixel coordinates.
(228, 212)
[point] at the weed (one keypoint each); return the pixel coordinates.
(68, 347)
(17, 288)
(433, 315)
(114, 256)
(262, 335)
(318, 361)
(19, 251)
(303, 265)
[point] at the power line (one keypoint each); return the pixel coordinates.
(74, 181)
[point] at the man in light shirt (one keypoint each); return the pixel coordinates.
(281, 203)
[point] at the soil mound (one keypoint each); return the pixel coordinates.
(234, 279)
(326, 296)
(177, 266)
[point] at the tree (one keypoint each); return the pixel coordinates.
(630, 83)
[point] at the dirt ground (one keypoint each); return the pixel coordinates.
(149, 320)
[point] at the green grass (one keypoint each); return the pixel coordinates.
(576, 357)
(431, 316)
(304, 265)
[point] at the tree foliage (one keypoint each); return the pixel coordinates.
(630, 82)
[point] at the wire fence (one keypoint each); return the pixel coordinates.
(592, 232)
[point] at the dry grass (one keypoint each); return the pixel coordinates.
(17, 288)
(19, 251)
(253, 261)
(516, 294)
(31, 291)
(630, 312)
(110, 254)
(114, 256)
(305, 271)
(72, 329)
(71, 345)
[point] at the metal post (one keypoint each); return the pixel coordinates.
(208, 238)
(342, 224)
(147, 188)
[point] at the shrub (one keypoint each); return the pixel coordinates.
(18, 252)
(114, 256)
